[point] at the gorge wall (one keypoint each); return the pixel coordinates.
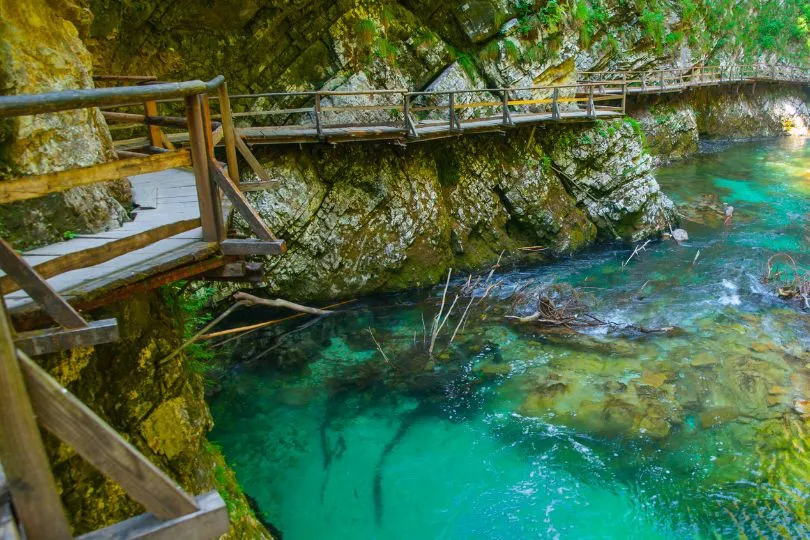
(374, 217)
(364, 217)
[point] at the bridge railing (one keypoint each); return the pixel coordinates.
(384, 112)
(678, 78)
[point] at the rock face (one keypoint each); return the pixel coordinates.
(160, 408)
(360, 218)
(40, 51)
(673, 125)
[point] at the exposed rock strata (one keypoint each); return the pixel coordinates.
(360, 218)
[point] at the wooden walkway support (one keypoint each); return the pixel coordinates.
(178, 232)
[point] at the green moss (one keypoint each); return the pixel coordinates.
(366, 32)
(244, 521)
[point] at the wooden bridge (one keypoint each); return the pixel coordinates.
(185, 197)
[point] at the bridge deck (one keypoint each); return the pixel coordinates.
(174, 197)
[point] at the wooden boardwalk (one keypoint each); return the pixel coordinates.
(405, 116)
(174, 195)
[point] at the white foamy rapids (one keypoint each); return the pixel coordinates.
(730, 298)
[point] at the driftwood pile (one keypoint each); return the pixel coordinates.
(791, 281)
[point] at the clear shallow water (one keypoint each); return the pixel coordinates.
(513, 431)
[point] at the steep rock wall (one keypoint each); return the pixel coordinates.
(158, 406)
(40, 51)
(674, 123)
(360, 218)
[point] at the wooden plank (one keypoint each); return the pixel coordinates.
(61, 413)
(31, 187)
(51, 340)
(105, 252)
(38, 289)
(66, 100)
(250, 158)
(210, 521)
(244, 247)
(239, 201)
(22, 453)
(8, 524)
(144, 196)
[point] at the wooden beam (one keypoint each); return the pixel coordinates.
(239, 202)
(210, 521)
(96, 97)
(61, 413)
(228, 132)
(250, 158)
(153, 131)
(243, 247)
(22, 453)
(31, 187)
(38, 289)
(51, 340)
(207, 197)
(103, 253)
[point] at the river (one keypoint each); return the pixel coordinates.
(681, 417)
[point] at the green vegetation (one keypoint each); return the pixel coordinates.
(193, 306)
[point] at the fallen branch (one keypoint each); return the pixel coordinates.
(204, 329)
(636, 252)
(257, 326)
(250, 300)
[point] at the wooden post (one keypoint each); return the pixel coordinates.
(453, 119)
(410, 124)
(624, 98)
(31, 482)
(555, 105)
(318, 121)
(507, 118)
(591, 109)
(643, 82)
(209, 204)
(661, 80)
(228, 133)
(154, 134)
(207, 128)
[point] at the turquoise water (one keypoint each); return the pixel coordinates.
(515, 430)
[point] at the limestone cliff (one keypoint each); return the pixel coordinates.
(158, 406)
(674, 123)
(359, 218)
(40, 51)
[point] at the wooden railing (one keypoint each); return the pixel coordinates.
(367, 113)
(652, 81)
(405, 115)
(27, 393)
